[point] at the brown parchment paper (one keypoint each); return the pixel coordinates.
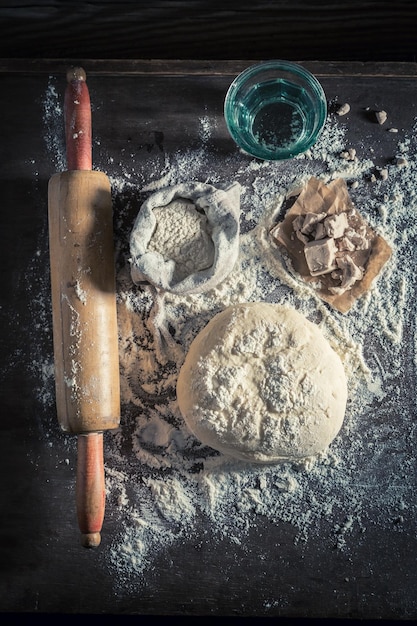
(333, 198)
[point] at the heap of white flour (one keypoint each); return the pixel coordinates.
(182, 234)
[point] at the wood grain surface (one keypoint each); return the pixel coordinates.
(43, 569)
(292, 29)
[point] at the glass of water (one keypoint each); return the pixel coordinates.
(275, 110)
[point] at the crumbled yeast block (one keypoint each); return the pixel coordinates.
(381, 116)
(349, 155)
(336, 225)
(345, 243)
(343, 109)
(401, 161)
(331, 239)
(320, 231)
(310, 221)
(350, 274)
(328, 243)
(358, 238)
(321, 256)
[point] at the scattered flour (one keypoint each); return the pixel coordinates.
(161, 482)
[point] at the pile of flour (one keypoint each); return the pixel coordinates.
(182, 234)
(162, 484)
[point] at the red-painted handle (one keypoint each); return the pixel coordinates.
(77, 113)
(90, 488)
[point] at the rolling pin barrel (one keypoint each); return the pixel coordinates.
(83, 301)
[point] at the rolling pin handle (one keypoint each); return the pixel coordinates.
(90, 488)
(77, 114)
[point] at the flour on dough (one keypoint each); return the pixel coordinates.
(261, 383)
(182, 235)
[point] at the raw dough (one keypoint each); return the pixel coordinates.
(261, 383)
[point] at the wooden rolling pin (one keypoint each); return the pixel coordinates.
(84, 315)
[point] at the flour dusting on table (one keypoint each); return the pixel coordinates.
(162, 484)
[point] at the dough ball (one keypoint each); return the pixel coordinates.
(261, 383)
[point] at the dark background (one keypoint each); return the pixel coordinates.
(352, 30)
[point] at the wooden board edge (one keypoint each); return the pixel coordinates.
(170, 67)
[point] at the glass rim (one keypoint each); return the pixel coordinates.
(258, 68)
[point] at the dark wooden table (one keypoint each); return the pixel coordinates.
(302, 29)
(151, 108)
